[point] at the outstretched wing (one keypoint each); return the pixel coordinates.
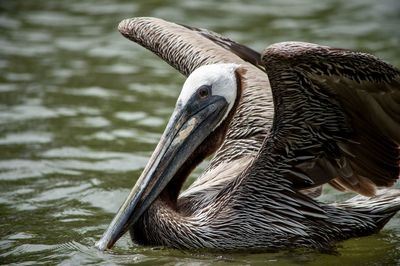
(337, 117)
(184, 47)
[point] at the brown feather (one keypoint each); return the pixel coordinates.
(359, 94)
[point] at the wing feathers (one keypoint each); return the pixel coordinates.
(185, 48)
(348, 102)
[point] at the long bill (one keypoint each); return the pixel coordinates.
(187, 128)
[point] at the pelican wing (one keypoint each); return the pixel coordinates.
(337, 117)
(244, 52)
(184, 47)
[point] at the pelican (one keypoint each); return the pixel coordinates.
(279, 123)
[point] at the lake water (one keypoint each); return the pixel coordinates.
(82, 108)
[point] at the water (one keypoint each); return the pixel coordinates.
(81, 109)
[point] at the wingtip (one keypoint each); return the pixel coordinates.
(124, 26)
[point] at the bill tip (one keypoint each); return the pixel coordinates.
(101, 245)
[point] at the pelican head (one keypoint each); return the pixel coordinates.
(195, 130)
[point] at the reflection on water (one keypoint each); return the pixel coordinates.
(81, 109)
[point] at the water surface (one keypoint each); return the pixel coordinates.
(82, 108)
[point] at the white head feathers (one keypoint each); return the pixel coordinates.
(221, 78)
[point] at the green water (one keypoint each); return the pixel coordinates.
(82, 108)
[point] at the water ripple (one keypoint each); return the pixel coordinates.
(83, 153)
(130, 116)
(52, 18)
(26, 137)
(15, 169)
(92, 92)
(9, 23)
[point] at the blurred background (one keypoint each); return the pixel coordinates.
(82, 108)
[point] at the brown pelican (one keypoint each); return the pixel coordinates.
(336, 118)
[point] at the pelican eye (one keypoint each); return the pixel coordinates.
(204, 91)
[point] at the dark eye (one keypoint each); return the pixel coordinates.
(203, 91)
